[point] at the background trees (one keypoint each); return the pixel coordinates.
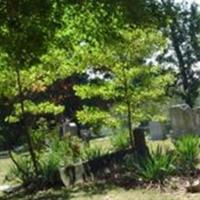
(25, 30)
(182, 54)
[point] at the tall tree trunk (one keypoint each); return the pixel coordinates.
(129, 119)
(129, 110)
(13, 12)
(25, 124)
(140, 143)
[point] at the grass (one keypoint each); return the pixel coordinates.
(163, 143)
(5, 164)
(106, 143)
(105, 193)
(102, 142)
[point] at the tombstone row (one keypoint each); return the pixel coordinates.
(183, 120)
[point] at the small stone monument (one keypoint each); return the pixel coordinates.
(157, 130)
(73, 129)
(68, 127)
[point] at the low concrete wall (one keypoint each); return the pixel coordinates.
(92, 169)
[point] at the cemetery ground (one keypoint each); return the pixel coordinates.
(108, 190)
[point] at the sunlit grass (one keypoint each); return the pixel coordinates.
(5, 164)
(153, 144)
(107, 193)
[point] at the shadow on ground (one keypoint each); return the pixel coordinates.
(77, 192)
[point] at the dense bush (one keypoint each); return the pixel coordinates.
(26, 172)
(58, 153)
(120, 141)
(157, 167)
(187, 151)
(49, 169)
(68, 149)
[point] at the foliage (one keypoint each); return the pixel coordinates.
(39, 134)
(122, 78)
(120, 141)
(187, 150)
(25, 30)
(182, 53)
(91, 152)
(42, 42)
(58, 153)
(26, 171)
(157, 167)
(49, 169)
(68, 149)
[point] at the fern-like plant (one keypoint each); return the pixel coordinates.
(157, 167)
(120, 141)
(187, 151)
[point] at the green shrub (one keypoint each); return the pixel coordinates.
(157, 167)
(187, 151)
(120, 141)
(58, 153)
(26, 172)
(49, 169)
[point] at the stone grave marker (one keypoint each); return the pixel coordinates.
(157, 130)
(68, 127)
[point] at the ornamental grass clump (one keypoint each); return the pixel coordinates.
(155, 168)
(187, 152)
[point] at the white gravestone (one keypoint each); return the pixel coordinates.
(68, 128)
(157, 130)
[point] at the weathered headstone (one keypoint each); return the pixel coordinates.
(182, 120)
(196, 117)
(157, 130)
(73, 129)
(64, 127)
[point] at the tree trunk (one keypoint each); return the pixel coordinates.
(130, 124)
(25, 125)
(140, 143)
(129, 110)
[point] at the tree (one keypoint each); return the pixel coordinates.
(125, 79)
(25, 30)
(40, 46)
(182, 54)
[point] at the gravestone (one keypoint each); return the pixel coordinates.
(73, 129)
(68, 127)
(182, 120)
(64, 127)
(157, 130)
(196, 116)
